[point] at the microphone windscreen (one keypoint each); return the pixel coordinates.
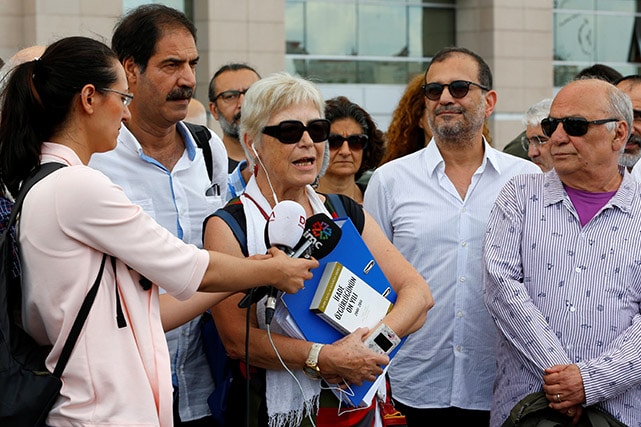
(285, 225)
(322, 233)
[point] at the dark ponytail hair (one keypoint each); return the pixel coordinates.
(38, 98)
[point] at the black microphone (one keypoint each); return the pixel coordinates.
(283, 230)
(320, 237)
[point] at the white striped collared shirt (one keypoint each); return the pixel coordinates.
(565, 294)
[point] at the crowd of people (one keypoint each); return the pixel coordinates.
(516, 272)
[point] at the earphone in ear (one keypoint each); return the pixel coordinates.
(269, 181)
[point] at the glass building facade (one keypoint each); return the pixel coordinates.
(365, 41)
(369, 49)
(387, 42)
(595, 31)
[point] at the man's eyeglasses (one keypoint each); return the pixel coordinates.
(533, 140)
(637, 115)
(229, 96)
(291, 131)
(356, 142)
(458, 89)
(126, 97)
(573, 126)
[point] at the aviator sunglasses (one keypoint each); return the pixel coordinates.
(458, 89)
(291, 131)
(355, 142)
(573, 126)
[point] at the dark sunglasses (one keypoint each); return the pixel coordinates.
(291, 131)
(458, 89)
(573, 126)
(355, 142)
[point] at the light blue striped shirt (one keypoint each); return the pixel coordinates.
(562, 294)
(450, 360)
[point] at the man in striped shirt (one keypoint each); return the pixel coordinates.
(562, 258)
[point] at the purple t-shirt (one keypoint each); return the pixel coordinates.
(587, 204)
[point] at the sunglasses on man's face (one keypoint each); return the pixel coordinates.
(356, 142)
(291, 131)
(573, 126)
(458, 89)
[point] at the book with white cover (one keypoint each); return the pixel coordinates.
(346, 301)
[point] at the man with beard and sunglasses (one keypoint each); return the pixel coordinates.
(160, 167)
(631, 86)
(562, 273)
(433, 205)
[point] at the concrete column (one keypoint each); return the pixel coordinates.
(516, 40)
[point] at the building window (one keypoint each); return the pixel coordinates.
(595, 31)
(185, 6)
(365, 41)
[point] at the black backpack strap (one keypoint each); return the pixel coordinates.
(10, 293)
(234, 216)
(202, 136)
(337, 204)
(44, 170)
(341, 206)
(120, 316)
(81, 317)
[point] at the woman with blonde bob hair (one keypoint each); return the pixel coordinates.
(284, 134)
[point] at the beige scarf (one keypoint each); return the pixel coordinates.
(286, 406)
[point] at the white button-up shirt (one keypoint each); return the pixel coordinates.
(450, 360)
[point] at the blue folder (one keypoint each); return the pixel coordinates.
(353, 253)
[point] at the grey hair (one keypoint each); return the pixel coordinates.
(537, 112)
(620, 106)
(619, 103)
(269, 96)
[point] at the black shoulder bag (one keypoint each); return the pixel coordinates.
(27, 390)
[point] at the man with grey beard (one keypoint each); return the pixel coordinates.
(631, 86)
(226, 93)
(434, 205)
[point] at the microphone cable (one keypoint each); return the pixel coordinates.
(307, 409)
(247, 369)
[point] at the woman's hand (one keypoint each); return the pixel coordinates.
(289, 274)
(349, 359)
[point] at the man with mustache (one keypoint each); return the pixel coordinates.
(160, 168)
(443, 374)
(631, 86)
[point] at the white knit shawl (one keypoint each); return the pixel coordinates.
(285, 404)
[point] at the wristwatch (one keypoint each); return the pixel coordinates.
(311, 368)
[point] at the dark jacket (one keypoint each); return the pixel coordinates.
(533, 411)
